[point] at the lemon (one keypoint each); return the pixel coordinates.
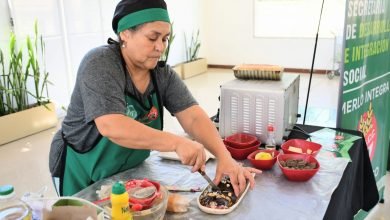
(263, 156)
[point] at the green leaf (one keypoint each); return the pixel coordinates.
(193, 48)
(14, 81)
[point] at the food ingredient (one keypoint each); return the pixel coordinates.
(219, 199)
(178, 203)
(295, 149)
(263, 156)
(298, 164)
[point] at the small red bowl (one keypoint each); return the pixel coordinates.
(256, 143)
(241, 154)
(240, 140)
(297, 174)
(263, 164)
(299, 146)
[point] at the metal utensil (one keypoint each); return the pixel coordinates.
(212, 184)
(183, 189)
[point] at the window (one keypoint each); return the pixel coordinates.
(298, 18)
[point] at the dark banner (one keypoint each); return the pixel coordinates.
(364, 102)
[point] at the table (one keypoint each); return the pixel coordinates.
(337, 191)
(357, 188)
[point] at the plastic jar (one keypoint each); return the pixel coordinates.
(12, 208)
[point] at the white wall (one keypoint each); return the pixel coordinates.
(297, 18)
(71, 27)
(185, 16)
(229, 39)
(5, 26)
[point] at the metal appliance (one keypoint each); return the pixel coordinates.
(250, 105)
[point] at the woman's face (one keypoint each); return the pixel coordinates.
(144, 46)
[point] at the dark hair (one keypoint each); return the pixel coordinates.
(132, 29)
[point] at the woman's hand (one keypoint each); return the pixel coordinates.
(238, 174)
(191, 153)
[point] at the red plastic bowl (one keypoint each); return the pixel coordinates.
(263, 164)
(307, 147)
(240, 140)
(241, 154)
(295, 174)
(256, 143)
(146, 202)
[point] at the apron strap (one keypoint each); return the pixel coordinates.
(63, 159)
(159, 101)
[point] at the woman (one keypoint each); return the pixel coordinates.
(115, 115)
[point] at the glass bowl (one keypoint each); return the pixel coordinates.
(158, 209)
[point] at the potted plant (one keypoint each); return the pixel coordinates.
(25, 108)
(193, 65)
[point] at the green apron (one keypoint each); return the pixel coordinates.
(108, 158)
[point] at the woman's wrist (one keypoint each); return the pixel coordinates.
(223, 154)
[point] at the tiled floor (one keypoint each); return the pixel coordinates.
(24, 163)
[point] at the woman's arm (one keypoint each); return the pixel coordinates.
(196, 123)
(199, 126)
(130, 133)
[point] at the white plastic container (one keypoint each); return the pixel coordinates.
(221, 211)
(12, 208)
(249, 106)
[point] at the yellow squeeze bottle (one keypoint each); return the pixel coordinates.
(120, 209)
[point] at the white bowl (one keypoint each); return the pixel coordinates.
(222, 211)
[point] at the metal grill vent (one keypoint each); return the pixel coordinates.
(271, 111)
(259, 109)
(234, 113)
(246, 114)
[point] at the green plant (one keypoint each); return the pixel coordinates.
(40, 77)
(164, 56)
(16, 76)
(192, 49)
